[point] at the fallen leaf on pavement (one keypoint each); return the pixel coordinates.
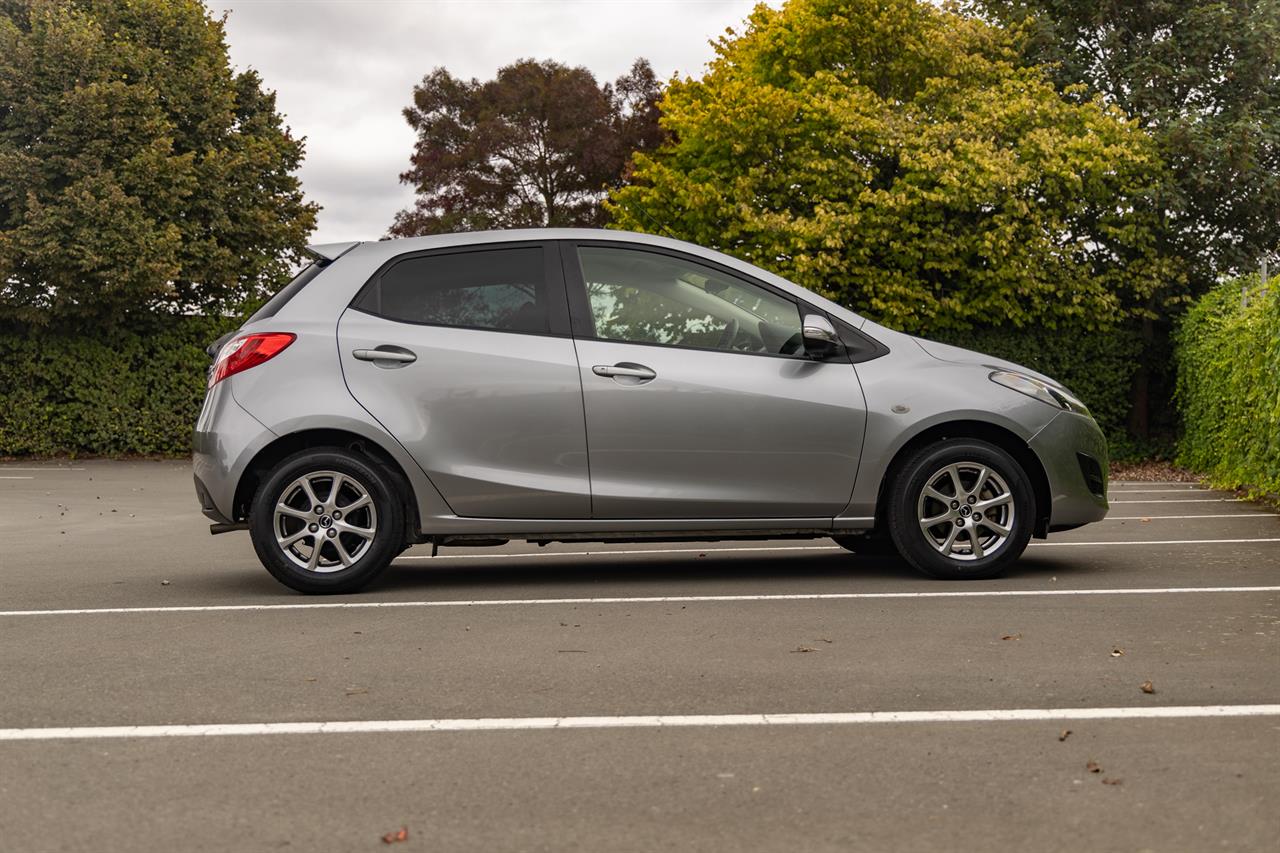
(1012, 637)
(1148, 687)
(1117, 653)
(1144, 520)
(1066, 733)
(402, 834)
(165, 583)
(1113, 781)
(356, 691)
(1093, 766)
(801, 649)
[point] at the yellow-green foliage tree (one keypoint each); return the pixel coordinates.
(898, 158)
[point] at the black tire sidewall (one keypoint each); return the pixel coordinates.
(904, 525)
(387, 541)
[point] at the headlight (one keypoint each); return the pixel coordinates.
(1054, 396)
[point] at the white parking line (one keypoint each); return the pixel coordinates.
(1172, 517)
(1180, 500)
(636, 599)
(516, 724)
(1163, 491)
(548, 555)
(16, 478)
(38, 468)
(1152, 542)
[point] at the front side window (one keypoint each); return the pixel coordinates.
(650, 298)
(498, 289)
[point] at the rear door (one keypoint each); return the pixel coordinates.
(700, 402)
(464, 355)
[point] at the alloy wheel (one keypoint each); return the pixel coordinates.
(966, 511)
(325, 521)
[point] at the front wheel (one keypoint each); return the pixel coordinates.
(962, 508)
(326, 521)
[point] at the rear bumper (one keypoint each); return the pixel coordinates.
(1073, 452)
(207, 504)
(226, 440)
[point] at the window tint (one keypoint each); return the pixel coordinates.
(645, 297)
(501, 289)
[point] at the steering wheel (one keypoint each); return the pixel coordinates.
(726, 337)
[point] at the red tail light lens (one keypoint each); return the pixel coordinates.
(248, 351)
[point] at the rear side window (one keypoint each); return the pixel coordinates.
(499, 289)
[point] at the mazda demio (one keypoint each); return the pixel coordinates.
(592, 386)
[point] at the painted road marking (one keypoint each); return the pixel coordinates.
(657, 599)
(16, 478)
(1180, 500)
(1164, 491)
(636, 551)
(1171, 517)
(515, 724)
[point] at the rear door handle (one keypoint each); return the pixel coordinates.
(632, 371)
(384, 354)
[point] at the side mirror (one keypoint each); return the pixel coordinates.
(820, 338)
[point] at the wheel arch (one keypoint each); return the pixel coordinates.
(1001, 437)
(286, 445)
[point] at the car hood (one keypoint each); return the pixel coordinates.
(959, 355)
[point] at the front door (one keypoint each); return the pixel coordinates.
(464, 356)
(700, 402)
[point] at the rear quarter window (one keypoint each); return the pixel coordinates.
(273, 305)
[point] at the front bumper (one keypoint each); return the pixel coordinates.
(1073, 452)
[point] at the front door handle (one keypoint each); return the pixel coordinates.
(385, 354)
(631, 371)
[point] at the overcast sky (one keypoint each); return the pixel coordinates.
(344, 69)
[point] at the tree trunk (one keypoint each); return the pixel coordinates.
(1140, 397)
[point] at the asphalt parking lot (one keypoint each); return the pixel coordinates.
(733, 696)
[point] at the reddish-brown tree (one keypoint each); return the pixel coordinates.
(539, 145)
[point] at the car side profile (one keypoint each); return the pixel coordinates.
(579, 385)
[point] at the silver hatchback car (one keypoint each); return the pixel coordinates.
(557, 385)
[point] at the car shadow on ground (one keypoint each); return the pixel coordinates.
(556, 575)
(654, 575)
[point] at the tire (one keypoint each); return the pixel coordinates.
(957, 546)
(366, 517)
(867, 546)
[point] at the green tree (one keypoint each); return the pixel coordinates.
(539, 145)
(138, 172)
(899, 158)
(1203, 77)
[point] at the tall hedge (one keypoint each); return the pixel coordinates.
(1097, 365)
(1229, 386)
(107, 393)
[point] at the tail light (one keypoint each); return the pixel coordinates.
(248, 351)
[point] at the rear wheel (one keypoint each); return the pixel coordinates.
(326, 521)
(962, 508)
